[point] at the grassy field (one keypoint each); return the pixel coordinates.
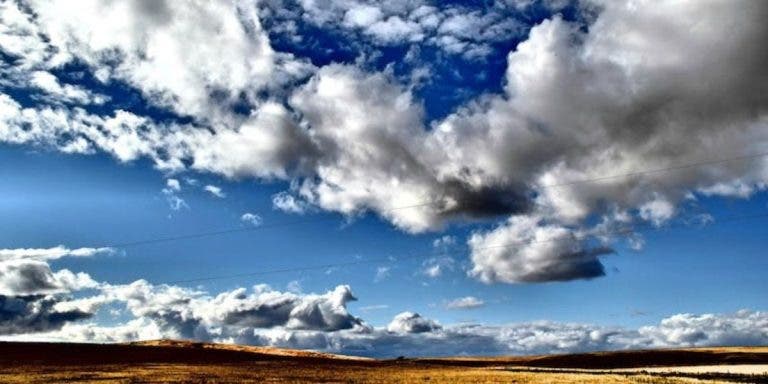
(302, 373)
(207, 363)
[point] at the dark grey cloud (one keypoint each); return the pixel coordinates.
(33, 298)
(28, 278)
(30, 314)
(482, 202)
(25, 277)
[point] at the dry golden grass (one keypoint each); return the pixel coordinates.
(291, 373)
(185, 362)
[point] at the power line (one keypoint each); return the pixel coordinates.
(576, 237)
(422, 204)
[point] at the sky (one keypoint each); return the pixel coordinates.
(385, 178)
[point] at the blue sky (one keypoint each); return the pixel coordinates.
(98, 202)
(321, 122)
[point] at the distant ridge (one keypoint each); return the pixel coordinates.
(623, 359)
(273, 351)
(185, 351)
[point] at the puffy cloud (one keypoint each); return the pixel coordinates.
(203, 59)
(467, 302)
(657, 211)
(26, 277)
(173, 185)
(190, 58)
(19, 35)
(124, 135)
(358, 131)
(526, 249)
(411, 322)
(186, 313)
(362, 15)
(374, 156)
(215, 191)
(252, 219)
(395, 30)
(36, 313)
(741, 328)
(268, 144)
(171, 193)
(33, 298)
(583, 105)
(66, 92)
(286, 202)
(454, 28)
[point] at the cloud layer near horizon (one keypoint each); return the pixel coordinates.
(642, 86)
(37, 303)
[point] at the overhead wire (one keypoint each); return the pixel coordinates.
(221, 232)
(576, 237)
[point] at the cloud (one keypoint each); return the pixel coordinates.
(51, 253)
(215, 191)
(411, 322)
(444, 241)
(171, 190)
(467, 302)
(657, 211)
(185, 313)
(436, 266)
(374, 155)
(362, 15)
(381, 274)
(28, 277)
(50, 84)
(33, 298)
(29, 314)
(530, 338)
(294, 286)
(527, 249)
(634, 89)
(540, 337)
(36, 304)
(284, 201)
(267, 144)
(252, 219)
(741, 328)
(453, 28)
(173, 185)
(175, 55)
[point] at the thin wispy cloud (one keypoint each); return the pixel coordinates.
(467, 302)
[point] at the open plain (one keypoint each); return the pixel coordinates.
(187, 362)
